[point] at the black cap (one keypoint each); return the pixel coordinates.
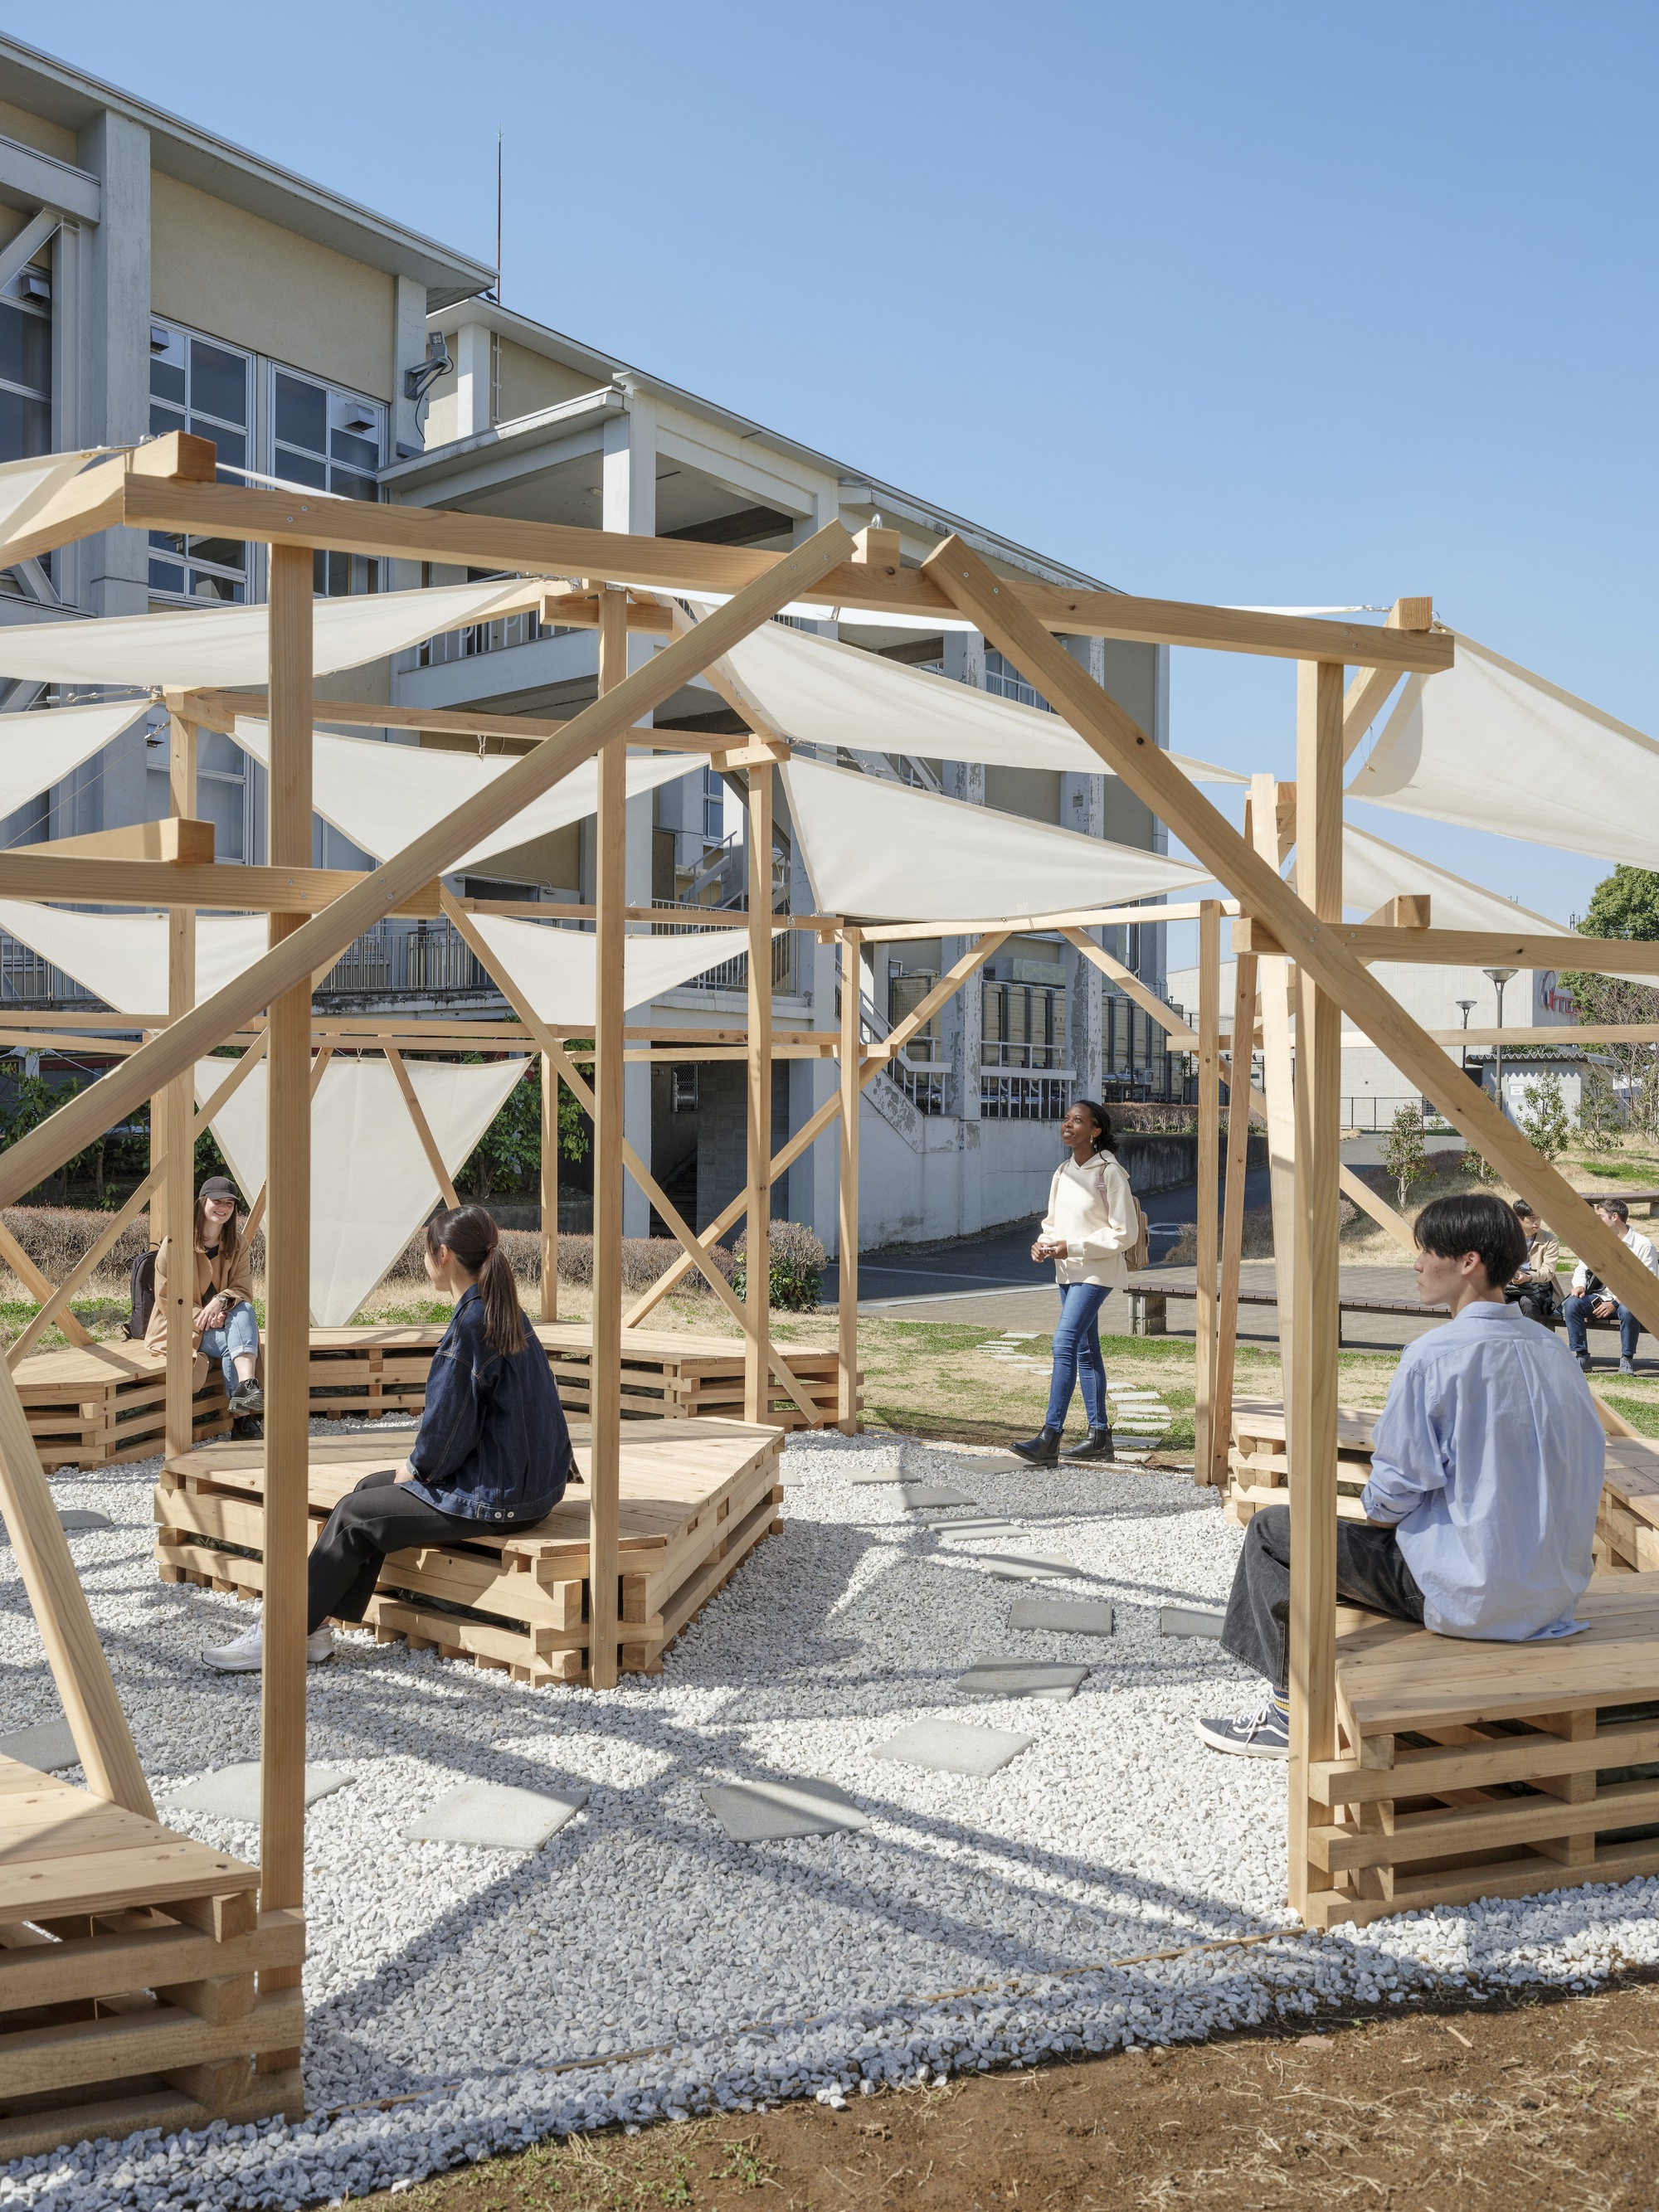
(219, 1186)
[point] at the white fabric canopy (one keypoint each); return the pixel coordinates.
(122, 958)
(1373, 872)
(202, 649)
(40, 748)
(1490, 745)
(554, 968)
(884, 850)
(372, 1185)
(26, 486)
(383, 796)
(824, 693)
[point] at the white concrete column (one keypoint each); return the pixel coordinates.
(114, 318)
(471, 352)
(1083, 808)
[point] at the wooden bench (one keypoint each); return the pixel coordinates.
(1258, 1468)
(1627, 1527)
(1472, 1770)
(99, 1404)
(696, 1497)
(127, 1963)
(1148, 1305)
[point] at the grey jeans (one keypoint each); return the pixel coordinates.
(1371, 1571)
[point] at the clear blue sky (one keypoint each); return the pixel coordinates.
(1277, 304)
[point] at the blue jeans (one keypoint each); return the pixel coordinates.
(240, 1334)
(1578, 1311)
(1077, 1355)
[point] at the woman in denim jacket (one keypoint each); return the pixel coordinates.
(493, 1452)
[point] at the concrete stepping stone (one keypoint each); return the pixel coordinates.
(882, 1474)
(1063, 1616)
(1021, 1567)
(1008, 1465)
(954, 1748)
(767, 1812)
(76, 1519)
(976, 1528)
(1125, 1396)
(1188, 1621)
(1017, 1336)
(934, 1493)
(1022, 1678)
(231, 1793)
(49, 1747)
(491, 1816)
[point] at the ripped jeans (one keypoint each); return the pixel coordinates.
(241, 1334)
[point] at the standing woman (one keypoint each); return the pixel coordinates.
(223, 1324)
(492, 1450)
(1091, 1222)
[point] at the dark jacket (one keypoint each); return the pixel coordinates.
(492, 1444)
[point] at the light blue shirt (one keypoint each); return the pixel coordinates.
(1489, 1457)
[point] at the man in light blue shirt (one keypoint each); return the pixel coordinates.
(1486, 1470)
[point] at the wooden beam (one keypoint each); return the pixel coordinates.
(434, 1158)
(1366, 697)
(1468, 948)
(605, 1395)
(288, 1269)
(758, 1263)
(321, 941)
(36, 1284)
(847, 1261)
(34, 874)
(483, 541)
(1264, 829)
(179, 840)
(1406, 910)
(1568, 1035)
(550, 1190)
(1103, 917)
(1131, 987)
(1232, 1231)
(179, 1105)
(1209, 1173)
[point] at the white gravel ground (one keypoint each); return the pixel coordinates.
(973, 1922)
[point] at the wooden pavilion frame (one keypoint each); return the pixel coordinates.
(1296, 936)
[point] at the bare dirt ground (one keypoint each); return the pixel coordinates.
(1531, 2102)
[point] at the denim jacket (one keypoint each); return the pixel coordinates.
(492, 1444)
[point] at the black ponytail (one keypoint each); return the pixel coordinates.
(472, 1236)
(1104, 1140)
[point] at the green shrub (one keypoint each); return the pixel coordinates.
(797, 1267)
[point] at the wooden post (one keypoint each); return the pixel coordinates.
(1276, 1084)
(1232, 1214)
(757, 1265)
(287, 1275)
(847, 1266)
(550, 1190)
(1209, 1178)
(179, 1111)
(1310, 1404)
(605, 1387)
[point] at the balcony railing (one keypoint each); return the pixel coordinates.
(26, 980)
(522, 628)
(429, 957)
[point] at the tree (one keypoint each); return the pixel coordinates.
(1545, 1122)
(510, 1151)
(1403, 1152)
(1625, 904)
(1600, 1117)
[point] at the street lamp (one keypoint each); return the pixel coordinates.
(1497, 977)
(1467, 1007)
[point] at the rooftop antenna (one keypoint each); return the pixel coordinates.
(498, 218)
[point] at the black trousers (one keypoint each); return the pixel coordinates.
(1371, 1570)
(381, 1515)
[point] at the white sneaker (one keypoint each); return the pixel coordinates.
(247, 1654)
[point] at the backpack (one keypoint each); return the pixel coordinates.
(1136, 1254)
(142, 1282)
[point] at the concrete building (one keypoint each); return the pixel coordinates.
(153, 276)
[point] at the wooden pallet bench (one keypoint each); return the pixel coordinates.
(1627, 1526)
(127, 1962)
(696, 1497)
(1258, 1469)
(96, 1405)
(1472, 1770)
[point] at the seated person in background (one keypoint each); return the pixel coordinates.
(1532, 1287)
(492, 1450)
(1485, 1479)
(223, 1326)
(1590, 1295)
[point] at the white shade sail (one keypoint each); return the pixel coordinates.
(40, 748)
(880, 850)
(202, 649)
(26, 486)
(821, 692)
(1374, 872)
(1491, 746)
(383, 797)
(554, 968)
(122, 958)
(372, 1185)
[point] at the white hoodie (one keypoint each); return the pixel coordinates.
(1091, 1208)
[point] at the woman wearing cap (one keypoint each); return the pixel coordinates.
(222, 1322)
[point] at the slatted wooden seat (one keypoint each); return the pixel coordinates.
(1258, 1466)
(1476, 1769)
(696, 1496)
(127, 1963)
(1627, 1527)
(97, 1404)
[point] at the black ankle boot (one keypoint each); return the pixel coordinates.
(1096, 1445)
(1041, 1450)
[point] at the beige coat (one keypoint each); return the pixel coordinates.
(1091, 1207)
(212, 1275)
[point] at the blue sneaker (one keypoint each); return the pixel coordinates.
(1264, 1734)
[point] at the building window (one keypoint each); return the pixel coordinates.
(334, 441)
(197, 385)
(714, 808)
(25, 365)
(682, 1089)
(1008, 683)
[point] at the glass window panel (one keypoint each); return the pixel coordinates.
(163, 419)
(165, 382)
(301, 468)
(361, 452)
(301, 413)
(25, 348)
(232, 445)
(225, 552)
(203, 586)
(25, 427)
(353, 486)
(168, 541)
(218, 381)
(165, 577)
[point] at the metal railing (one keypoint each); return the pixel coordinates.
(731, 975)
(476, 638)
(1375, 1115)
(26, 980)
(428, 956)
(1025, 1097)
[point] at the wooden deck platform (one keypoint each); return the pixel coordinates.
(127, 1962)
(1490, 1770)
(696, 1496)
(100, 1403)
(1258, 1469)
